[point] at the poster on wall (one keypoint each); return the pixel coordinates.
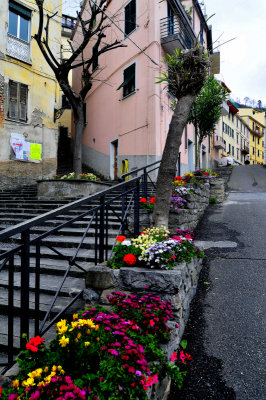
(24, 150)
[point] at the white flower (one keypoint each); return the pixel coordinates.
(126, 242)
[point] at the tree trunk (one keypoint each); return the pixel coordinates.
(79, 127)
(167, 168)
(199, 152)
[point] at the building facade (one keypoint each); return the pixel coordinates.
(127, 113)
(257, 135)
(29, 94)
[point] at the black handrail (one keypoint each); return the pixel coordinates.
(23, 252)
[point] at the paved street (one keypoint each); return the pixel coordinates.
(226, 330)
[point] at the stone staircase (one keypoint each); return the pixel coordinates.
(17, 206)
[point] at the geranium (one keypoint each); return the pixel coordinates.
(34, 343)
(143, 200)
(130, 259)
(120, 238)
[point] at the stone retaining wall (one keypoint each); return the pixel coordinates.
(177, 285)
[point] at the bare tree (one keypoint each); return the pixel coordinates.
(259, 104)
(187, 71)
(93, 30)
(246, 100)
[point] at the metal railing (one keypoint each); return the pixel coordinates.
(173, 27)
(145, 176)
(24, 250)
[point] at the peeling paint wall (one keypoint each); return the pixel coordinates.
(42, 98)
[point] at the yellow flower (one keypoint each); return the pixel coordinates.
(15, 383)
(98, 339)
(88, 331)
(54, 368)
(29, 382)
(64, 341)
(59, 368)
(75, 316)
(62, 330)
(87, 344)
(79, 335)
(45, 369)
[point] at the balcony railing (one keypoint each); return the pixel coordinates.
(18, 48)
(245, 149)
(219, 142)
(175, 35)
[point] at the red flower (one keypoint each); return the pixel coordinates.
(178, 178)
(143, 200)
(206, 173)
(120, 238)
(34, 343)
(174, 356)
(130, 259)
(152, 200)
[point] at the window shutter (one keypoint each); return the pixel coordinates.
(13, 100)
(23, 102)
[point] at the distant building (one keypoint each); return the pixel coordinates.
(127, 113)
(256, 123)
(29, 94)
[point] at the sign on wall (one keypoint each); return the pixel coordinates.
(24, 150)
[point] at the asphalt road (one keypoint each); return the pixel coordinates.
(226, 330)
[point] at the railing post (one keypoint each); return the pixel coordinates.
(37, 288)
(136, 209)
(101, 241)
(25, 286)
(124, 188)
(11, 310)
(145, 180)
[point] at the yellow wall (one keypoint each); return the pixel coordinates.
(256, 140)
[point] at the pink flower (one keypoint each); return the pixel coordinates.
(113, 352)
(152, 323)
(174, 357)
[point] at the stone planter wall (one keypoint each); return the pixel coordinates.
(196, 204)
(178, 286)
(62, 189)
(217, 190)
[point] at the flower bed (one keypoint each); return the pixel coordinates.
(154, 248)
(102, 355)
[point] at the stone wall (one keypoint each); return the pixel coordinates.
(189, 217)
(61, 189)
(177, 285)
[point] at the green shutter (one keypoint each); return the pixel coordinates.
(17, 8)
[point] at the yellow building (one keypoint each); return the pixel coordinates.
(228, 131)
(29, 94)
(257, 134)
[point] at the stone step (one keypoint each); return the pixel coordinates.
(61, 241)
(48, 336)
(53, 267)
(48, 283)
(45, 301)
(84, 255)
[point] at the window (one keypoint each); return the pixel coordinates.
(237, 152)
(237, 138)
(201, 34)
(95, 61)
(253, 150)
(18, 96)
(229, 148)
(233, 151)
(186, 137)
(258, 140)
(253, 138)
(129, 85)
(262, 143)
(223, 127)
(262, 155)
(232, 117)
(258, 153)
(19, 22)
(233, 133)
(130, 17)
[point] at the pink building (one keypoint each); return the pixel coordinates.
(127, 113)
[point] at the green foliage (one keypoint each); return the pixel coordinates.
(187, 71)
(206, 108)
(119, 252)
(213, 200)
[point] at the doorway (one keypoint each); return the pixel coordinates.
(114, 160)
(190, 155)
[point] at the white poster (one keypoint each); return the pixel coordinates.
(17, 141)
